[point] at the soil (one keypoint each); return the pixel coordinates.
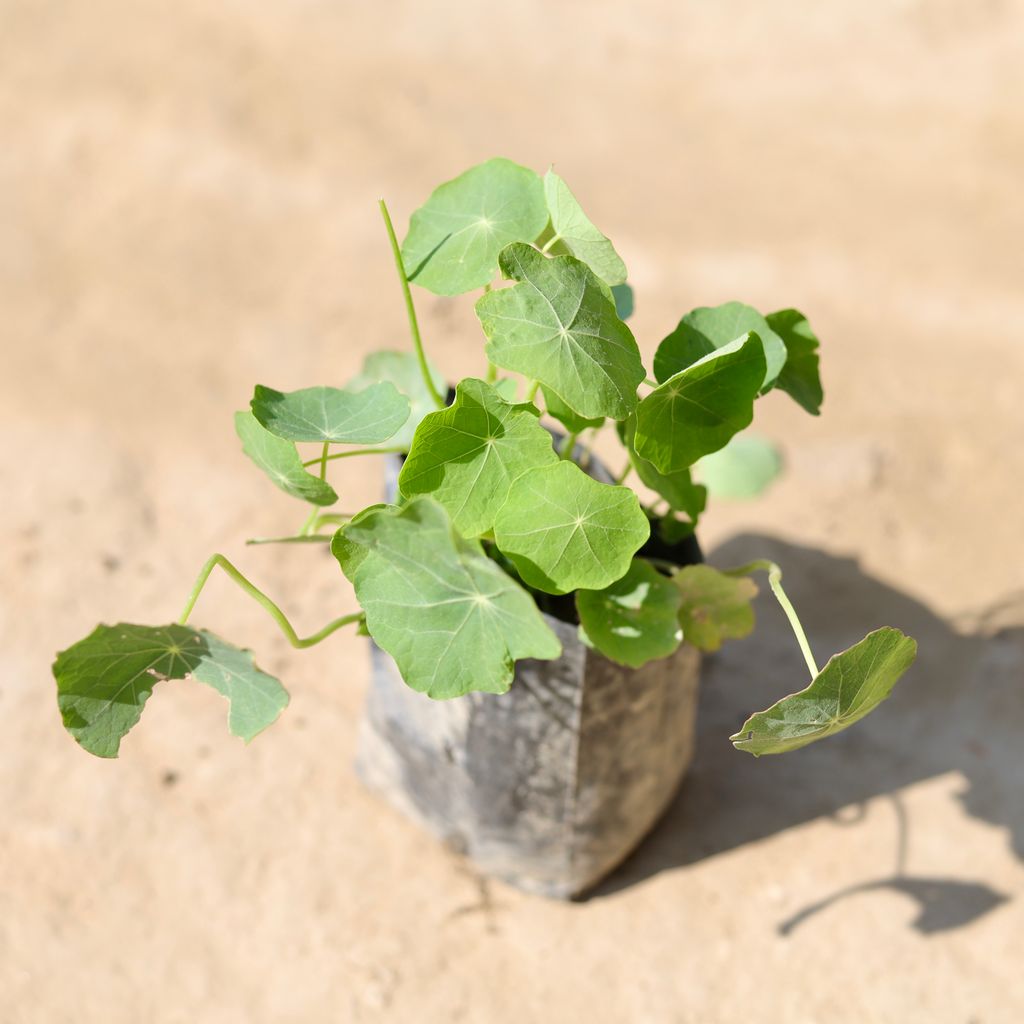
(187, 201)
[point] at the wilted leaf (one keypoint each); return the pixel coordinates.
(851, 685)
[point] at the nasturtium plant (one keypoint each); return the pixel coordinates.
(501, 507)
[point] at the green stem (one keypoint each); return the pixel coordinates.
(626, 470)
(568, 446)
(410, 309)
(254, 592)
(775, 582)
(350, 453)
(651, 382)
(550, 242)
(532, 392)
(323, 460)
(298, 538)
(307, 526)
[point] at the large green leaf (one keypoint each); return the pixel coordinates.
(708, 328)
(578, 233)
(714, 607)
(450, 617)
(280, 460)
(635, 619)
(677, 488)
(369, 416)
(851, 685)
(558, 326)
(104, 680)
(564, 531)
(699, 409)
(468, 455)
(403, 370)
(742, 469)
(800, 377)
(455, 237)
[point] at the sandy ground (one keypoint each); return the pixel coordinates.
(187, 207)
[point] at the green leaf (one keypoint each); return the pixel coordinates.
(715, 607)
(369, 416)
(742, 469)
(564, 531)
(800, 377)
(280, 460)
(558, 326)
(708, 328)
(453, 620)
(698, 410)
(403, 370)
(624, 304)
(850, 686)
(468, 455)
(572, 422)
(635, 619)
(455, 237)
(104, 681)
(677, 488)
(578, 233)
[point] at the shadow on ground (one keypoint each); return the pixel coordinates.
(958, 709)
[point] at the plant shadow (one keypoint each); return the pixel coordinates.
(957, 709)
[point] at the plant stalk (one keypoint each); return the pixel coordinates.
(775, 582)
(410, 309)
(257, 595)
(320, 459)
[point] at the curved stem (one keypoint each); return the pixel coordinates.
(532, 392)
(257, 595)
(410, 309)
(775, 582)
(568, 446)
(347, 455)
(626, 470)
(323, 460)
(550, 242)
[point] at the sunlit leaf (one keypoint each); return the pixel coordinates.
(677, 488)
(455, 237)
(280, 460)
(564, 531)
(800, 377)
(403, 370)
(468, 455)
(558, 326)
(715, 607)
(708, 328)
(635, 619)
(104, 681)
(698, 410)
(578, 233)
(450, 617)
(369, 416)
(851, 685)
(744, 468)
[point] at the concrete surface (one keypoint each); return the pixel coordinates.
(187, 207)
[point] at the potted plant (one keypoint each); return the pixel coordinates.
(509, 568)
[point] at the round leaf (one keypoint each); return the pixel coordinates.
(280, 460)
(634, 620)
(578, 233)
(564, 531)
(698, 410)
(800, 377)
(558, 325)
(742, 469)
(450, 617)
(369, 416)
(714, 607)
(708, 328)
(850, 686)
(455, 237)
(468, 455)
